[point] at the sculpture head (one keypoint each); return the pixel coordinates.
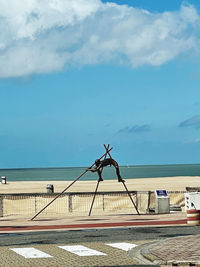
(97, 162)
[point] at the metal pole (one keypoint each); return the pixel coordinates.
(94, 198)
(107, 150)
(124, 184)
(67, 187)
(98, 182)
(131, 198)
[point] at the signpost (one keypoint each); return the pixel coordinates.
(162, 202)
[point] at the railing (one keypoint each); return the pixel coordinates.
(73, 204)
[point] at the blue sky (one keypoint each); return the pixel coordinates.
(76, 75)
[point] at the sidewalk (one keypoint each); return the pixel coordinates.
(12, 224)
(177, 251)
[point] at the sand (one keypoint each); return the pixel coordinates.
(18, 205)
(145, 184)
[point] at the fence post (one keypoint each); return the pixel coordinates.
(103, 201)
(149, 201)
(136, 197)
(35, 204)
(70, 203)
(1, 206)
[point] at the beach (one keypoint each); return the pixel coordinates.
(28, 205)
(178, 183)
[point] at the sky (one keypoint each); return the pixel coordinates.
(75, 75)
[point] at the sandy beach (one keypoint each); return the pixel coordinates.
(143, 184)
(18, 205)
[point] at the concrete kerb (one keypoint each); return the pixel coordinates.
(144, 251)
(138, 254)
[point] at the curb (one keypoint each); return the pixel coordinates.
(137, 253)
(150, 257)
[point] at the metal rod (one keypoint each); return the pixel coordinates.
(98, 182)
(105, 156)
(67, 187)
(107, 148)
(124, 184)
(94, 198)
(130, 197)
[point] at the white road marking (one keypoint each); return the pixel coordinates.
(123, 246)
(82, 250)
(31, 253)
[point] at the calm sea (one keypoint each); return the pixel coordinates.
(127, 172)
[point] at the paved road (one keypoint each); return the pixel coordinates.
(96, 235)
(52, 244)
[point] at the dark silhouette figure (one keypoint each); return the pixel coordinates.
(100, 164)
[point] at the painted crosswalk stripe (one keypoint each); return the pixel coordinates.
(82, 250)
(31, 253)
(123, 246)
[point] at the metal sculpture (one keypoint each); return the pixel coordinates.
(100, 164)
(99, 168)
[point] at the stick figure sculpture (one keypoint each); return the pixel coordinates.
(100, 164)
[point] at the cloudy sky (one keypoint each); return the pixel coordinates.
(77, 74)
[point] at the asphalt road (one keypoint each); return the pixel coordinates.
(96, 235)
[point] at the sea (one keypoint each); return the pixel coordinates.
(127, 172)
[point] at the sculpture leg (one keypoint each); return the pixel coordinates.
(94, 197)
(118, 175)
(131, 198)
(99, 173)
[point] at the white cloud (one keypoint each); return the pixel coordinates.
(44, 36)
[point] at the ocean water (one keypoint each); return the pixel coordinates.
(127, 172)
